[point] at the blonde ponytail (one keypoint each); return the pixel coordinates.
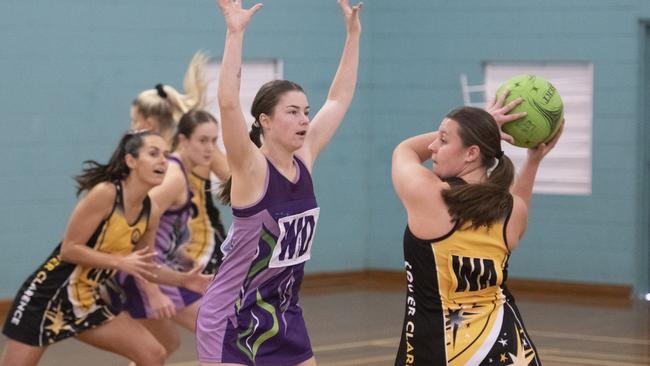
(166, 104)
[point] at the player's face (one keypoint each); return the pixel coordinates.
(447, 150)
(151, 163)
(198, 149)
(289, 123)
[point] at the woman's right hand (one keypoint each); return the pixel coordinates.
(139, 264)
(500, 111)
(236, 17)
(351, 15)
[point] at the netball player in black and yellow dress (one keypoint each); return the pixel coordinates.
(111, 229)
(161, 109)
(465, 217)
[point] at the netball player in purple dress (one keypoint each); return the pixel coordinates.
(159, 307)
(250, 314)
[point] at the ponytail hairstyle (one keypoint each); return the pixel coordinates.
(167, 105)
(189, 121)
(116, 169)
(264, 102)
(487, 202)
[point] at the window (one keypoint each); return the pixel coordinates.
(254, 75)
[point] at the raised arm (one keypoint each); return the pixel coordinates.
(523, 186)
(408, 173)
(219, 165)
(339, 98)
(240, 150)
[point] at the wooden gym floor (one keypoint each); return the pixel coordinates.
(356, 320)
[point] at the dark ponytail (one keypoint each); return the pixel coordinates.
(94, 173)
(487, 202)
(264, 102)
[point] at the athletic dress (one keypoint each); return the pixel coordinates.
(172, 233)
(206, 229)
(250, 314)
(458, 309)
(60, 299)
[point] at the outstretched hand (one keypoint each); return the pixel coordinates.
(351, 15)
(500, 112)
(196, 281)
(237, 18)
(139, 264)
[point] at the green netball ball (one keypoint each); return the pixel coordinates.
(543, 104)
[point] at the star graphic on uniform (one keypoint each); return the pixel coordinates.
(56, 317)
(455, 320)
(504, 342)
(520, 359)
(456, 317)
(534, 88)
(503, 357)
(523, 357)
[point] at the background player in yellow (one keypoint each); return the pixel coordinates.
(111, 229)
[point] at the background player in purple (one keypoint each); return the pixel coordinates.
(161, 307)
(250, 315)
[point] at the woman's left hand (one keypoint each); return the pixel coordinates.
(539, 152)
(500, 112)
(351, 14)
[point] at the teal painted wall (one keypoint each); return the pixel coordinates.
(570, 238)
(70, 71)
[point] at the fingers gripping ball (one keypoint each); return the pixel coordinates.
(543, 104)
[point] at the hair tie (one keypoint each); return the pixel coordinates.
(161, 91)
(499, 154)
(257, 124)
(136, 131)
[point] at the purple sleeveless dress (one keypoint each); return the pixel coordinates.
(250, 314)
(172, 233)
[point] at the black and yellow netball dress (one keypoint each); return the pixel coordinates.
(61, 299)
(206, 230)
(458, 309)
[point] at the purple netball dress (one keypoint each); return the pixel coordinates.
(250, 314)
(172, 233)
